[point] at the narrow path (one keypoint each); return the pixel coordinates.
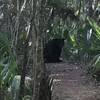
(71, 83)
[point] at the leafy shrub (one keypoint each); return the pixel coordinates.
(15, 86)
(94, 67)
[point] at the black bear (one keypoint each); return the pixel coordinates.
(52, 50)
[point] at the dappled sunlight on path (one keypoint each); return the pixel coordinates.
(71, 83)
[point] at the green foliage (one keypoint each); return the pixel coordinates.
(95, 39)
(95, 27)
(83, 39)
(56, 29)
(27, 97)
(94, 67)
(15, 87)
(7, 61)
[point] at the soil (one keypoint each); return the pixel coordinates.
(70, 82)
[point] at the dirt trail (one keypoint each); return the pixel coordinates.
(71, 83)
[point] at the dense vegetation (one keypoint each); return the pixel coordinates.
(25, 27)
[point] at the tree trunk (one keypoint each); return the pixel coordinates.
(23, 70)
(39, 70)
(38, 64)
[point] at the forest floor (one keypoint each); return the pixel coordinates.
(70, 82)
